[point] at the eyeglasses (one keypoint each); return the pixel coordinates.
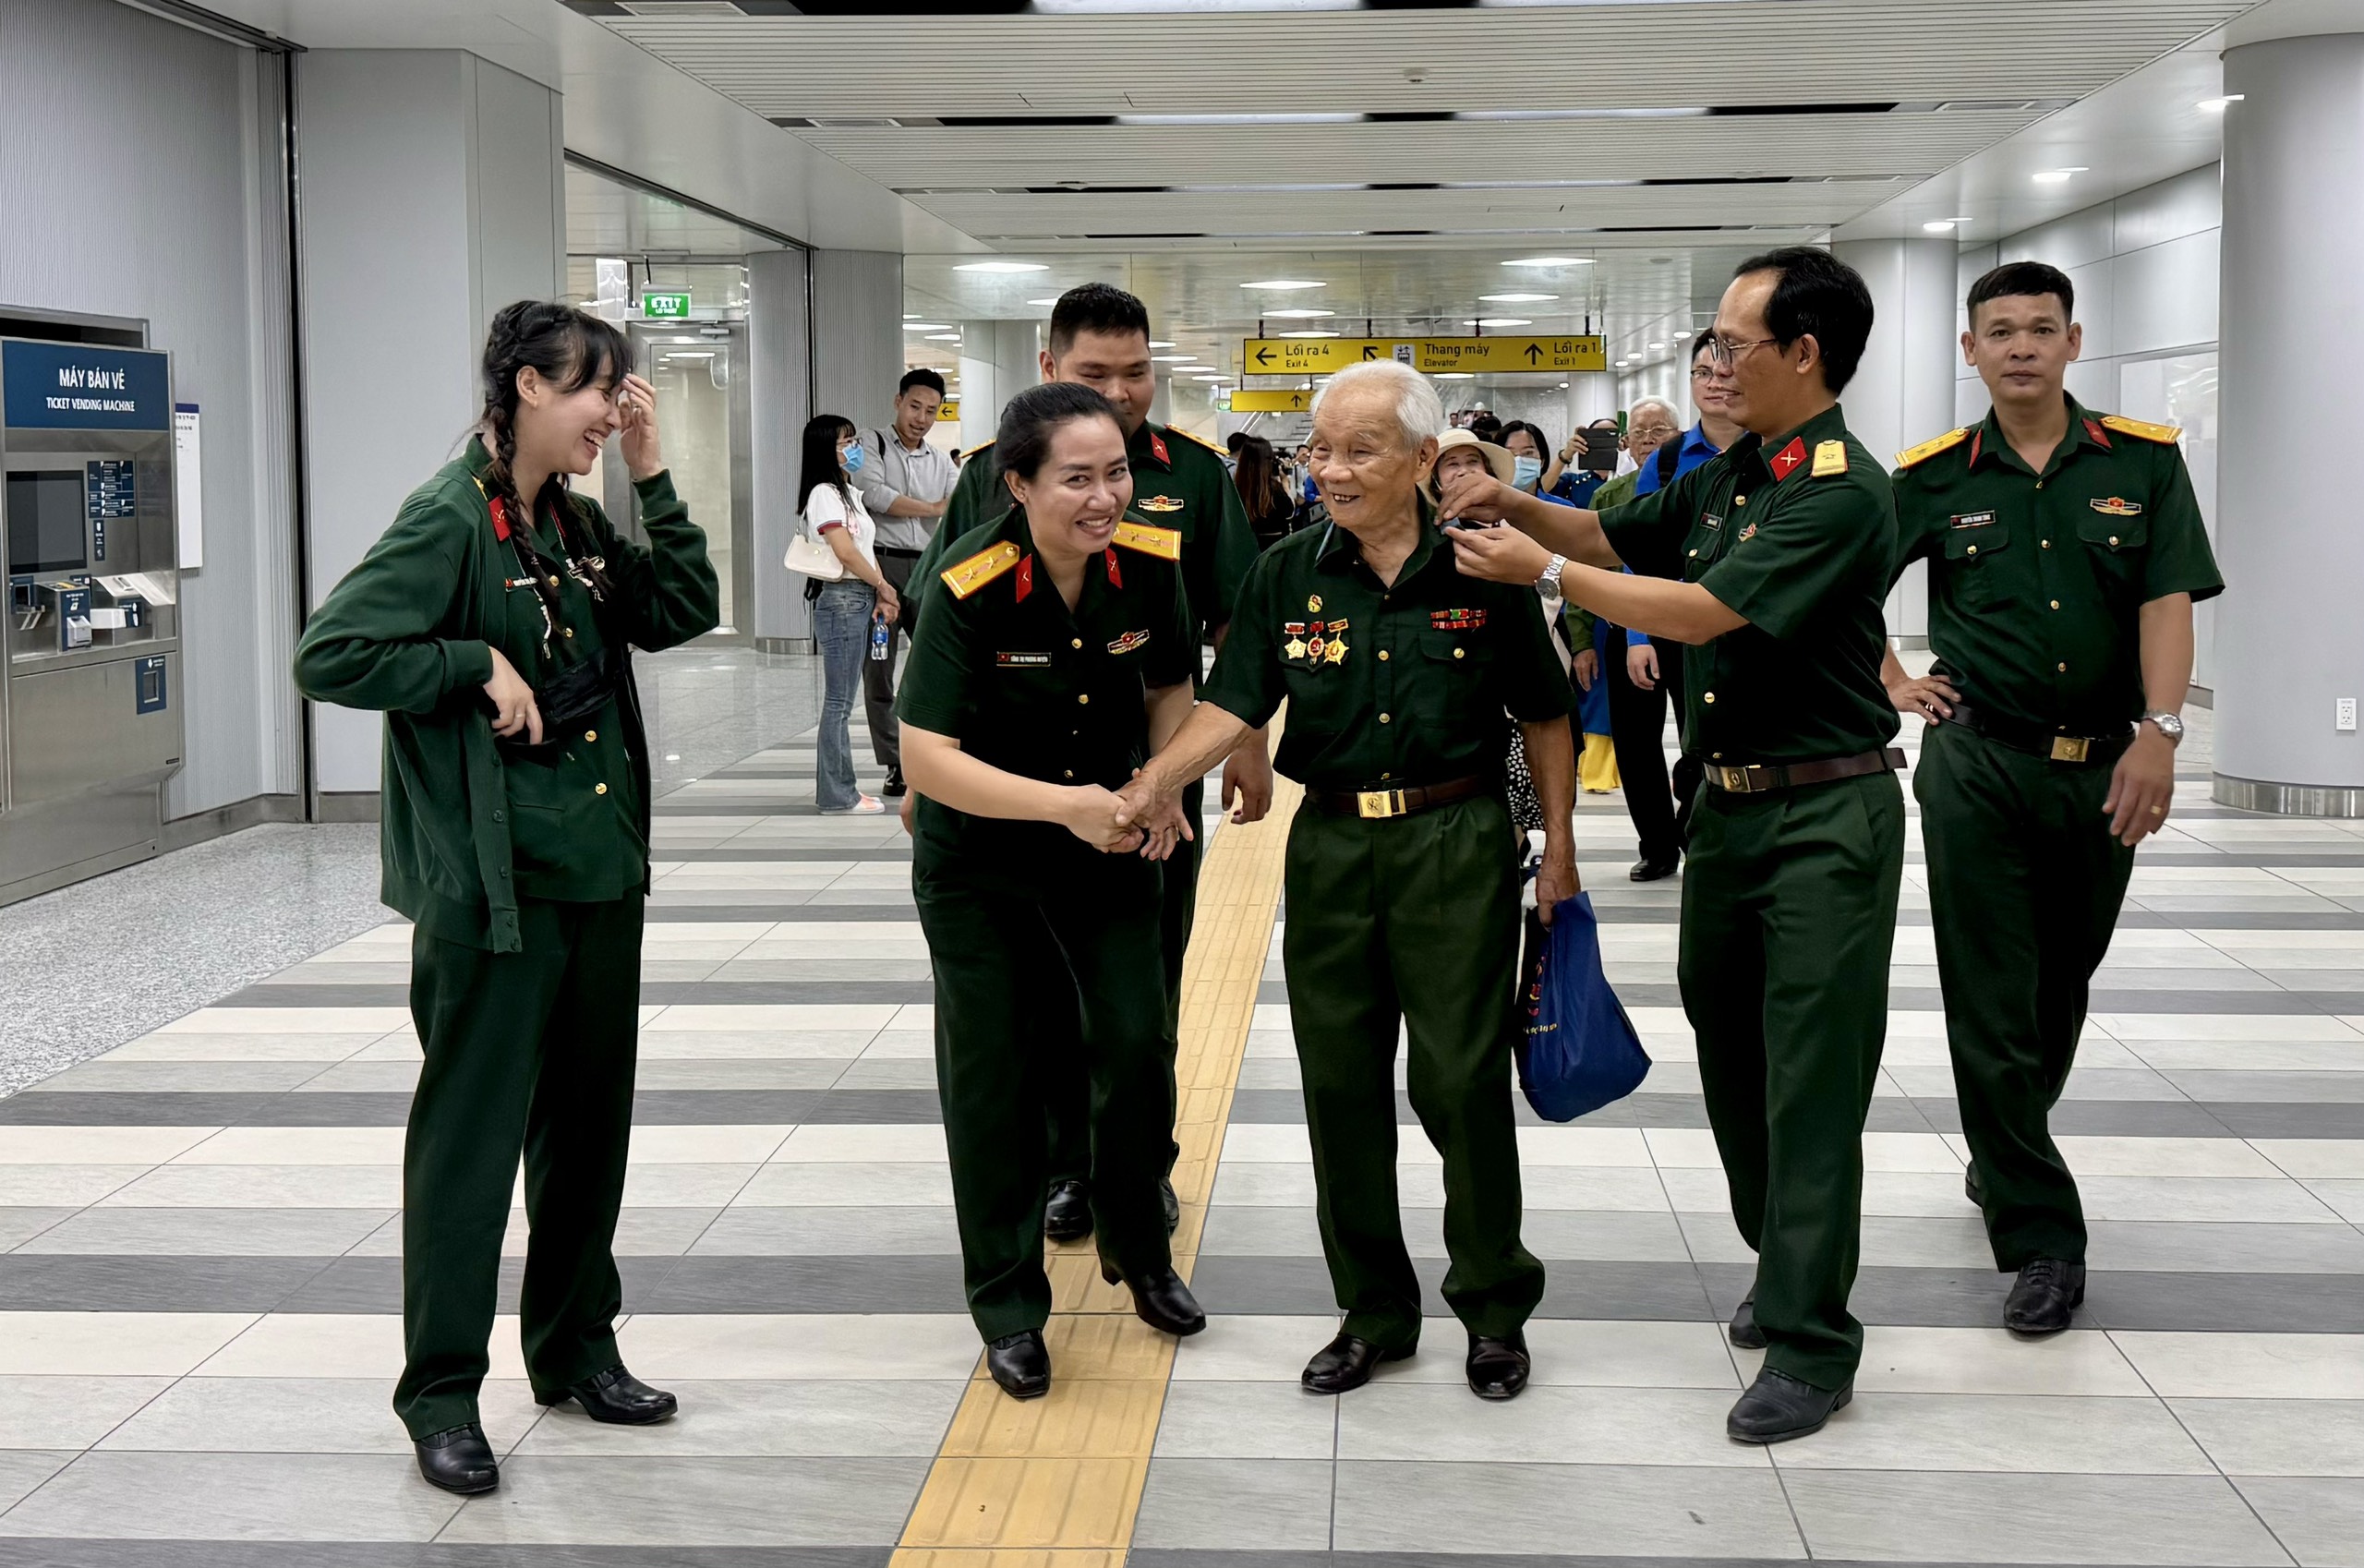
(1650, 433)
(1724, 352)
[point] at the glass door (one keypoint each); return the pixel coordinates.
(700, 377)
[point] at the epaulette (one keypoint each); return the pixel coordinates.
(980, 569)
(2165, 435)
(974, 450)
(1163, 543)
(1829, 459)
(1200, 440)
(1930, 449)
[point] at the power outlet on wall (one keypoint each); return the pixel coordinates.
(2344, 715)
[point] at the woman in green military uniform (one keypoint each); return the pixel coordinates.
(495, 635)
(1051, 658)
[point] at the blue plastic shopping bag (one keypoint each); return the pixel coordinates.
(1577, 1051)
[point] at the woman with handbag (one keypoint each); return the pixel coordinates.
(838, 550)
(492, 624)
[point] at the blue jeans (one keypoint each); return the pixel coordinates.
(841, 631)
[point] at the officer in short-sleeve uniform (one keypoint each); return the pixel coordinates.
(1016, 911)
(1179, 483)
(2036, 582)
(1796, 852)
(1403, 889)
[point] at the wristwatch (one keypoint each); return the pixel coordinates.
(2168, 724)
(1549, 583)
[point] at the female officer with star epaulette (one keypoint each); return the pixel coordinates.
(1051, 658)
(494, 632)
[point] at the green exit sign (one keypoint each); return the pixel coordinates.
(659, 307)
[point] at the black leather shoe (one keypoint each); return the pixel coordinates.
(1777, 1407)
(1067, 1213)
(616, 1397)
(1498, 1368)
(894, 789)
(1161, 1301)
(1346, 1362)
(1021, 1364)
(458, 1460)
(1649, 870)
(2046, 1293)
(1172, 1202)
(1743, 1331)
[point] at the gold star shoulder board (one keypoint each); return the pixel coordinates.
(1829, 458)
(981, 446)
(979, 570)
(1930, 449)
(2141, 429)
(1200, 440)
(1163, 543)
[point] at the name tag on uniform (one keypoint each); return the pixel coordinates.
(1456, 619)
(1128, 642)
(1709, 520)
(1972, 519)
(1022, 660)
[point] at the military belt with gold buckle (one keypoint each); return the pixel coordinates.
(1379, 805)
(1758, 777)
(1374, 804)
(2036, 741)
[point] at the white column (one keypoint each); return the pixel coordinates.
(780, 395)
(857, 333)
(2289, 640)
(999, 360)
(435, 175)
(1903, 391)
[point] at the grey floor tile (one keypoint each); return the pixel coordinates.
(19, 1224)
(1602, 1510)
(69, 1412)
(1628, 1426)
(727, 1073)
(1235, 1504)
(224, 1077)
(234, 1496)
(842, 1283)
(2224, 1247)
(240, 1233)
(1274, 1419)
(2320, 1520)
(2278, 1437)
(202, 1415)
(818, 1231)
(1952, 1518)
(2060, 1435)
(67, 1283)
(763, 1419)
(706, 1502)
(22, 1469)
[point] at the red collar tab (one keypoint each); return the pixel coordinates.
(2100, 437)
(499, 520)
(1025, 578)
(1116, 578)
(1157, 446)
(1788, 458)
(1977, 439)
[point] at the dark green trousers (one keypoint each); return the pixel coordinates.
(2025, 883)
(527, 1052)
(1088, 941)
(1411, 921)
(1789, 917)
(1067, 1095)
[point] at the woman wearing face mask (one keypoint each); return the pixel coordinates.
(847, 612)
(1048, 664)
(492, 624)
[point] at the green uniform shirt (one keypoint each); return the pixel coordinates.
(1038, 689)
(1411, 684)
(2036, 580)
(1177, 484)
(1793, 539)
(466, 825)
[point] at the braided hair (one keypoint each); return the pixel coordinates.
(570, 349)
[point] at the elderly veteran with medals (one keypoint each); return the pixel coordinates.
(1054, 652)
(1403, 678)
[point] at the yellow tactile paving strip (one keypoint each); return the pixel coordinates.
(1056, 1482)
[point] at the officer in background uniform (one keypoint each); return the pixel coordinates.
(1100, 338)
(1402, 679)
(1054, 652)
(2064, 552)
(493, 632)
(1775, 547)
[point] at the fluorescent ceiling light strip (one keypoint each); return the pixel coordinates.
(1692, 112)
(1308, 119)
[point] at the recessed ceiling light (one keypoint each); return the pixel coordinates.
(2218, 105)
(1456, 375)
(944, 337)
(1657, 345)
(1174, 358)
(1003, 267)
(1501, 322)
(1938, 226)
(1159, 343)
(1297, 315)
(1054, 300)
(1281, 285)
(2060, 176)
(1563, 386)
(1680, 336)
(1514, 298)
(927, 326)
(1550, 261)
(1308, 334)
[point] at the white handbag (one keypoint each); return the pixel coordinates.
(808, 557)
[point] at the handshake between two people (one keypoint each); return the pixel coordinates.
(1139, 819)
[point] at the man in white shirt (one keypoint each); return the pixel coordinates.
(906, 484)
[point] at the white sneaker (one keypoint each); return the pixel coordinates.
(863, 805)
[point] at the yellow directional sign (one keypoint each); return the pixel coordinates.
(1295, 402)
(951, 409)
(1316, 356)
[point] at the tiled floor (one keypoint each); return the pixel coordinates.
(199, 1294)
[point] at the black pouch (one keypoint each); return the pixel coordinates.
(566, 701)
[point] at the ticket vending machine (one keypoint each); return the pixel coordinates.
(90, 703)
